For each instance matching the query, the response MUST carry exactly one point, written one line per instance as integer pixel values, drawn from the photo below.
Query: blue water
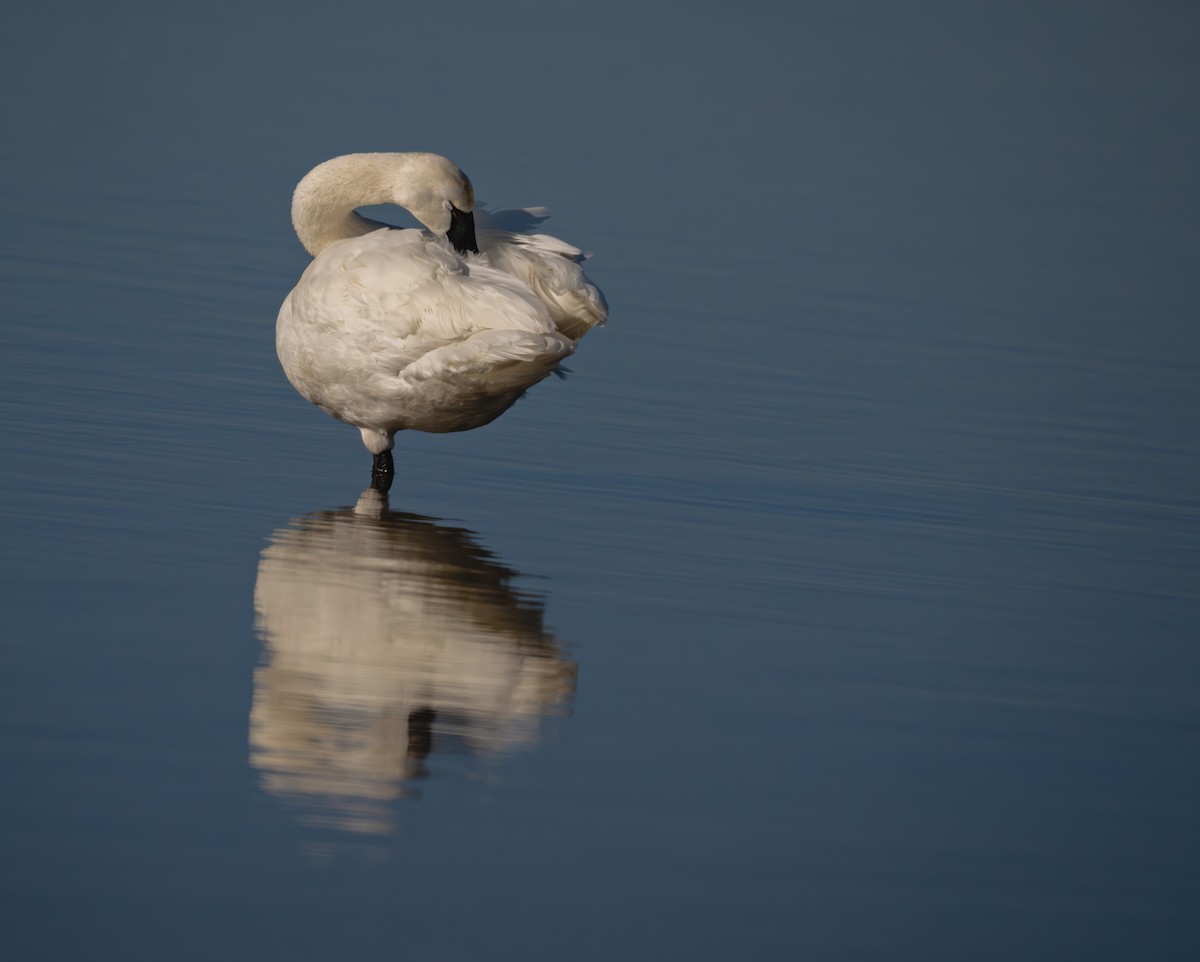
(842, 603)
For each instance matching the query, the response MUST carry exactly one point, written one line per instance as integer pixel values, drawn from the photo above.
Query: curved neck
(323, 206)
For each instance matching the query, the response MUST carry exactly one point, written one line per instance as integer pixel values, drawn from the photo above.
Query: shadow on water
(391, 643)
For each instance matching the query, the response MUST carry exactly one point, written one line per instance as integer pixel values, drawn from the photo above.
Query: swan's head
(439, 195)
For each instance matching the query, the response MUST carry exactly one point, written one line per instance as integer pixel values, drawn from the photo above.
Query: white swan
(427, 330)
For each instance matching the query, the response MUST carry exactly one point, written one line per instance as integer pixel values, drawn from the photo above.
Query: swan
(438, 330)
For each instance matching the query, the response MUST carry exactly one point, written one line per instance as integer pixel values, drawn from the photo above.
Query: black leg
(382, 472)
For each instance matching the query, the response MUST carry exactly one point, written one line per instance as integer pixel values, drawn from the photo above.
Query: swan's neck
(324, 202)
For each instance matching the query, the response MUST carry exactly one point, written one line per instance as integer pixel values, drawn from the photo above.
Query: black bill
(462, 231)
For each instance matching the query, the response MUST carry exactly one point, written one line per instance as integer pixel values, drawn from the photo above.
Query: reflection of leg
(382, 471)
(420, 733)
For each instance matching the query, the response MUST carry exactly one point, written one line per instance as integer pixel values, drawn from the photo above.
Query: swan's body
(429, 330)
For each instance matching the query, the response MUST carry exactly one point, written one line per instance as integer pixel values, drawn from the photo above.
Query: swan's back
(546, 265)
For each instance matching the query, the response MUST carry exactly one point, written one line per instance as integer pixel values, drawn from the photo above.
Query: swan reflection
(388, 637)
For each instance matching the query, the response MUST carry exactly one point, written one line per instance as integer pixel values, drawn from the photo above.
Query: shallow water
(841, 604)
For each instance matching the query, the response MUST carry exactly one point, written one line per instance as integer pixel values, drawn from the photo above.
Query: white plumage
(425, 330)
